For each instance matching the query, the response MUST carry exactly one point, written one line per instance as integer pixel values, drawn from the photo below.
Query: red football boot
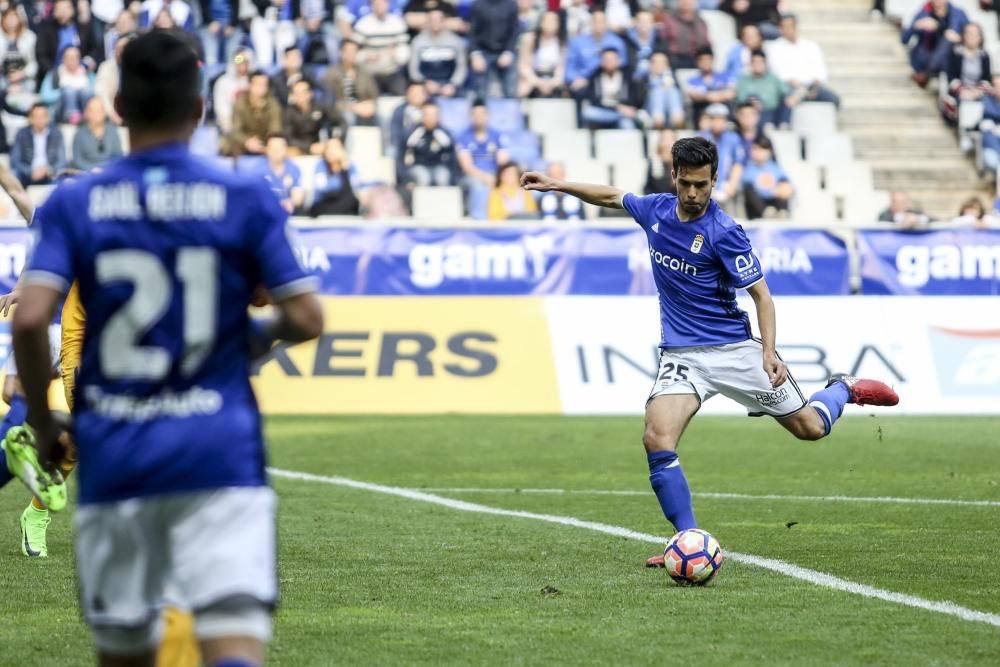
(656, 561)
(866, 392)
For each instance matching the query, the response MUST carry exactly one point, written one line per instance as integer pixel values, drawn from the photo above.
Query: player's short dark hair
(745, 104)
(289, 49)
(606, 49)
(159, 81)
(763, 142)
(479, 102)
(277, 135)
(704, 51)
(758, 53)
(256, 73)
(695, 152)
(38, 105)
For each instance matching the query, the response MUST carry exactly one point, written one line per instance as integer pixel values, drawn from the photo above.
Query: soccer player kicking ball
(167, 251)
(700, 258)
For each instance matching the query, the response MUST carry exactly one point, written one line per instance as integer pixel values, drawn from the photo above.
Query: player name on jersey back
(165, 202)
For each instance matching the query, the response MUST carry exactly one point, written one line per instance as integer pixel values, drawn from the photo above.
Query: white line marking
(726, 496)
(781, 567)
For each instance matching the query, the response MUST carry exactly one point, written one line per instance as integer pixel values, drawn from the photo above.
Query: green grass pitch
(369, 578)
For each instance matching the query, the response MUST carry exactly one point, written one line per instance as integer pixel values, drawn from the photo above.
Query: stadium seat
(548, 115)
(787, 146)
(828, 149)
(251, 164)
(865, 208)
(14, 123)
(587, 171)
(454, 114)
(812, 118)
(721, 31)
(802, 174)
(629, 175)
(364, 142)
(505, 114)
(524, 148)
(438, 204)
(69, 133)
(849, 180)
(205, 141)
(819, 206)
(566, 145)
(970, 113)
(386, 171)
(612, 145)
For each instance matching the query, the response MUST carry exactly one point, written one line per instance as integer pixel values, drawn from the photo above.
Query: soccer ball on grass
(693, 557)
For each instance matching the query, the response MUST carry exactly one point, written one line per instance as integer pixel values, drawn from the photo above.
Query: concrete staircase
(895, 125)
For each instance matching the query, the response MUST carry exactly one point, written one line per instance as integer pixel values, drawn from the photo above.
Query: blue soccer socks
(830, 402)
(671, 489)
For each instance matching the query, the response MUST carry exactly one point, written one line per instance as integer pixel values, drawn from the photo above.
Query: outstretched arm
(766, 320)
(598, 195)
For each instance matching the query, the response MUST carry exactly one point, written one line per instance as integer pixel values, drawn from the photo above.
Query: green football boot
(34, 523)
(23, 463)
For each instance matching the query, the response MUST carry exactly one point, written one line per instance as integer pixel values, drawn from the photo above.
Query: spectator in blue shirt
(283, 175)
(664, 102)
(738, 59)
(584, 56)
(731, 154)
(220, 32)
(642, 43)
(38, 154)
(480, 151)
(766, 187)
(935, 30)
(707, 86)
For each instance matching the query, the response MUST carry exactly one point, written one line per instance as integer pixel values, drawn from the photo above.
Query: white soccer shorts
(208, 547)
(55, 345)
(735, 370)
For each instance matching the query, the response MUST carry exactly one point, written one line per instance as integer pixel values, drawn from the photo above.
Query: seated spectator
(220, 31)
(125, 23)
(180, 14)
(493, 31)
(17, 53)
(480, 151)
(730, 148)
(229, 87)
(108, 75)
(429, 152)
(903, 213)
(685, 34)
(407, 117)
(935, 30)
(708, 86)
(800, 64)
(318, 42)
(437, 57)
(555, 205)
(508, 201)
(62, 29)
(542, 60)
(353, 86)
(334, 183)
(283, 174)
(753, 12)
(38, 154)
(585, 50)
(309, 123)
(738, 60)
(770, 95)
(969, 75)
(385, 47)
(97, 140)
(748, 126)
(660, 177)
(642, 42)
(275, 26)
(613, 100)
(664, 102)
(973, 214)
(416, 13)
(67, 88)
(619, 13)
(766, 188)
(291, 71)
(256, 116)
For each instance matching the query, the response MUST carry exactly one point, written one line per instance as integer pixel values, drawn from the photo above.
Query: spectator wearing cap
(481, 150)
(935, 30)
(613, 100)
(220, 31)
(179, 12)
(437, 57)
(283, 175)
(903, 213)
(38, 154)
(493, 32)
(730, 148)
(772, 96)
(800, 64)
(542, 59)
(642, 42)
(385, 47)
(508, 200)
(308, 123)
(685, 34)
(738, 59)
(556, 205)
(970, 76)
(660, 177)
(429, 151)
(61, 30)
(584, 58)
(766, 187)
(708, 86)
(97, 140)
(664, 102)
(291, 71)
(230, 86)
(256, 116)
(353, 87)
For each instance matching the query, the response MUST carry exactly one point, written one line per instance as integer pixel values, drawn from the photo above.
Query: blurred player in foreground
(167, 251)
(700, 258)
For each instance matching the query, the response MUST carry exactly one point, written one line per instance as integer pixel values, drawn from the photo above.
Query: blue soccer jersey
(167, 250)
(697, 267)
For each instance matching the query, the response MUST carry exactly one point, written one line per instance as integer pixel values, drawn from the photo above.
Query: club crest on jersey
(699, 241)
